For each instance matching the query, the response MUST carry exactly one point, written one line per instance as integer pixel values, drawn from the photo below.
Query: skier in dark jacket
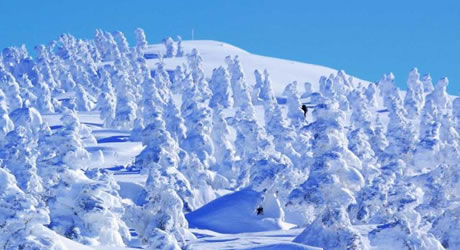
(260, 210)
(305, 110)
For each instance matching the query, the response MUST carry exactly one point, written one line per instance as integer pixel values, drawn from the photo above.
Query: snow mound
(234, 213)
(284, 246)
(70, 244)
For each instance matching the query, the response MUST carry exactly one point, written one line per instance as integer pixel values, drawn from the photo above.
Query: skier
(260, 210)
(305, 110)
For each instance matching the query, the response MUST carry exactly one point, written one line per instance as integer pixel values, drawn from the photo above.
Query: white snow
(281, 71)
(142, 154)
(235, 213)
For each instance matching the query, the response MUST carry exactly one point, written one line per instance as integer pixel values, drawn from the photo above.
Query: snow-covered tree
(22, 222)
(29, 118)
(70, 138)
(356, 163)
(195, 61)
(83, 101)
(370, 93)
(331, 230)
(6, 125)
(307, 90)
(10, 88)
(221, 89)
(427, 149)
(171, 49)
(266, 92)
(240, 90)
(415, 98)
(257, 87)
(196, 70)
(284, 136)
(295, 114)
(21, 161)
(174, 121)
(141, 41)
(68, 84)
(83, 205)
(201, 180)
(161, 217)
(44, 102)
(107, 46)
(358, 143)
(427, 83)
(401, 235)
(333, 180)
(400, 134)
(198, 120)
(161, 150)
(26, 89)
(336, 87)
(440, 97)
(180, 48)
(162, 81)
(268, 174)
(122, 43)
(251, 141)
(151, 98)
(447, 227)
(451, 139)
(94, 208)
(378, 139)
(388, 90)
(326, 86)
(456, 112)
(160, 222)
(402, 222)
(177, 81)
(343, 83)
(125, 112)
(43, 67)
(224, 153)
(360, 114)
(106, 106)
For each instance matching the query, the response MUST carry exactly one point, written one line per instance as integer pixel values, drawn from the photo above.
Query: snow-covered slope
(281, 71)
(211, 147)
(235, 213)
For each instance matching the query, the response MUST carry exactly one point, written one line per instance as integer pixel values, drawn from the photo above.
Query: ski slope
(119, 152)
(281, 71)
(140, 151)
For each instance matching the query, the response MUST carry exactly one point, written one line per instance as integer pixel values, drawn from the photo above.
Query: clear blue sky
(365, 38)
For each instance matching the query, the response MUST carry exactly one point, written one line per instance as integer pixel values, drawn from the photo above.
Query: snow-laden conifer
(141, 41)
(180, 49)
(415, 98)
(221, 89)
(171, 48)
(22, 222)
(240, 90)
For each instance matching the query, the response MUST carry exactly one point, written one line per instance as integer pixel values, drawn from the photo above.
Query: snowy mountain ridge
(281, 71)
(202, 145)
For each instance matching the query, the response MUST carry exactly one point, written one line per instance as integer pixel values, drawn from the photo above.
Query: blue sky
(365, 38)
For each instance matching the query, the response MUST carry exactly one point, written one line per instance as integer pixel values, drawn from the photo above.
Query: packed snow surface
(234, 213)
